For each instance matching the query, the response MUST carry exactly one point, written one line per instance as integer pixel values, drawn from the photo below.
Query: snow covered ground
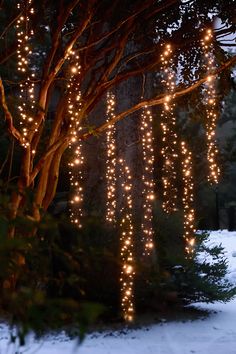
(215, 334)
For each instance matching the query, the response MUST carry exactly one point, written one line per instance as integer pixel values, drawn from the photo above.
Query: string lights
(148, 183)
(126, 244)
(75, 171)
(27, 86)
(210, 101)
(189, 219)
(168, 124)
(111, 161)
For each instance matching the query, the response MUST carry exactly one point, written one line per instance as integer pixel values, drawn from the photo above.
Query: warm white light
(188, 198)
(169, 136)
(26, 96)
(146, 133)
(75, 166)
(111, 161)
(211, 113)
(126, 244)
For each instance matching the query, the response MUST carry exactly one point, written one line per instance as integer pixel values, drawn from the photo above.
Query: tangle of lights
(26, 95)
(111, 161)
(126, 244)
(189, 219)
(148, 183)
(75, 172)
(169, 139)
(211, 114)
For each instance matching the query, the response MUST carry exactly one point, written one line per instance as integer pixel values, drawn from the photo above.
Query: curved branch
(61, 141)
(156, 100)
(151, 102)
(9, 119)
(144, 7)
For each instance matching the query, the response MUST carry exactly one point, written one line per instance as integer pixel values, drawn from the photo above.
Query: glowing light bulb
(146, 134)
(27, 89)
(169, 136)
(126, 244)
(188, 199)
(210, 104)
(75, 165)
(111, 161)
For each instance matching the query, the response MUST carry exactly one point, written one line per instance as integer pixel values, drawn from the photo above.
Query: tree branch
(8, 117)
(156, 100)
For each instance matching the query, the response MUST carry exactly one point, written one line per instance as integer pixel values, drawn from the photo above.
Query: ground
(211, 334)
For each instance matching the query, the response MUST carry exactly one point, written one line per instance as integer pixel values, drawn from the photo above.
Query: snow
(214, 334)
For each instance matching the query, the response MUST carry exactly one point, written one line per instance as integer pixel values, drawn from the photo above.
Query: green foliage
(198, 279)
(41, 277)
(63, 278)
(176, 280)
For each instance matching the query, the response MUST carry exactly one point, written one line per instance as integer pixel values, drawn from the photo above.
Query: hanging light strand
(111, 161)
(75, 166)
(169, 140)
(27, 87)
(147, 178)
(188, 199)
(210, 102)
(126, 244)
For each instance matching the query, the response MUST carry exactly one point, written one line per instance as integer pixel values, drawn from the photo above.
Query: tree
(113, 42)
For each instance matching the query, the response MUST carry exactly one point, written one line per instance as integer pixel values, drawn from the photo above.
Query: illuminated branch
(189, 214)
(169, 136)
(148, 180)
(9, 119)
(157, 100)
(63, 17)
(111, 162)
(151, 102)
(210, 103)
(75, 166)
(126, 244)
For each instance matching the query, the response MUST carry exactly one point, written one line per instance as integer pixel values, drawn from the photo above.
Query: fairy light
(126, 244)
(27, 86)
(211, 114)
(189, 217)
(169, 140)
(147, 178)
(75, 166)
(111, 161)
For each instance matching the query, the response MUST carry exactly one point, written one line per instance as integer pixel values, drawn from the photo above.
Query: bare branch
(55, 38)
(10, 24)
(61, 141)
(156, 100)
(9, 119)
(134, 15)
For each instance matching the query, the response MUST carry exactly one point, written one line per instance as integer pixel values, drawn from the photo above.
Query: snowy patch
(214, 334)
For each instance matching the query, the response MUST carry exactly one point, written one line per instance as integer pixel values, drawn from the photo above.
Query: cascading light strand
(75, 166)
(210, 102)
(126, 244)
(111, 161)
(169, 140)
(27, 87)
(188, 199)
(147, 178)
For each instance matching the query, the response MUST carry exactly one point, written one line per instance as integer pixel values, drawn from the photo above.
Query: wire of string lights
(110, 161)
(169, 140)
(188, 199)
(147, 178)
(27, 86)
(75, 166)
(126, 243)
(210, 102)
